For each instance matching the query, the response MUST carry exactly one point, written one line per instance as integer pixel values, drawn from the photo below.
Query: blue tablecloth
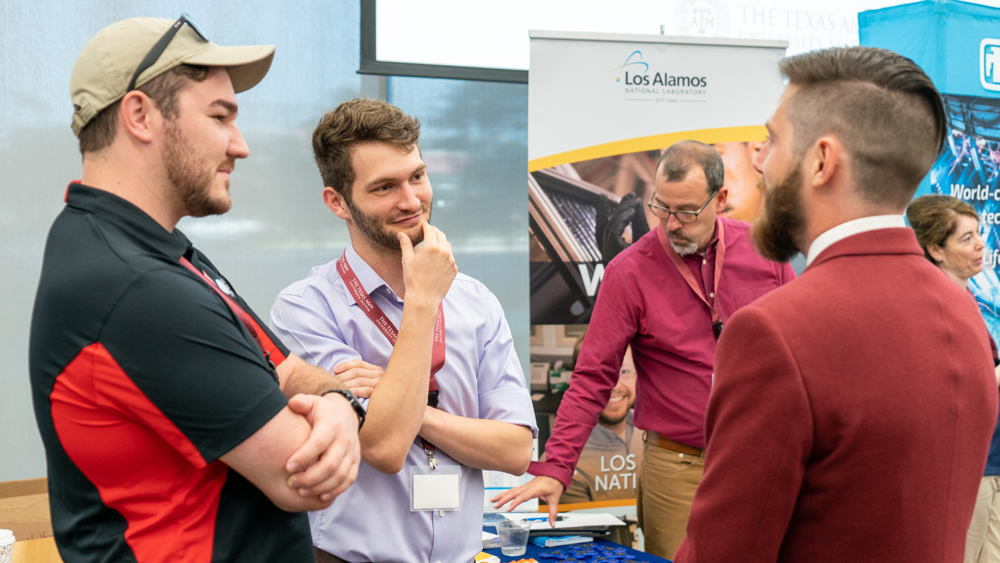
(533, 551)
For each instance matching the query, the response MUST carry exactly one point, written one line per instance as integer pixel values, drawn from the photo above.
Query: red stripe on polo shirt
(277, 356)
(141, 464)
(260, 336)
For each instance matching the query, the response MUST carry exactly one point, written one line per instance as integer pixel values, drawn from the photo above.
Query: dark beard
(184, 172)
(773, 234)
(375, 231)
(608, 421)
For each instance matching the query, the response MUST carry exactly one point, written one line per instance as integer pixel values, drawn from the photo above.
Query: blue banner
(958, 46)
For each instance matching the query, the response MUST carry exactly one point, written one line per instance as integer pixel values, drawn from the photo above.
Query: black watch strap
(358, 409)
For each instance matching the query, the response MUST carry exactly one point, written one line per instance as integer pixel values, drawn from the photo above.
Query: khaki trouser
(982, 544)
(663, 502)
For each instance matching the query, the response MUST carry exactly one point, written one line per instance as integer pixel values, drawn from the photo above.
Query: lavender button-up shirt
(318, 320)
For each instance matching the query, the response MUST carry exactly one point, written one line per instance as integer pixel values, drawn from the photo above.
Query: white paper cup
(6, 545)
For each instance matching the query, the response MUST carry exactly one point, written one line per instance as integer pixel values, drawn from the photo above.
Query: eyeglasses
(161, 45)
(682, 216)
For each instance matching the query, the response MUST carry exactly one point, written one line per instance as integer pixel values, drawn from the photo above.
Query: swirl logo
(629, 63)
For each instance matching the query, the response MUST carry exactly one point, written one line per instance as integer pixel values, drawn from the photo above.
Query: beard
(189, 175)
(377, 232)
(682, 249)
(783, 219)
(609, 418)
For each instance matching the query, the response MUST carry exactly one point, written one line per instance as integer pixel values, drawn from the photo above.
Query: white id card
(435, 489)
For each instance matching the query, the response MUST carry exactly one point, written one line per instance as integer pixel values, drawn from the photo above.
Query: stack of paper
(490, 541)
(550, 541)
(574, 524)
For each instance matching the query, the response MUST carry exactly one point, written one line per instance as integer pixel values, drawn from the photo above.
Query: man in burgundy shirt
(668, 296)
(852, 410)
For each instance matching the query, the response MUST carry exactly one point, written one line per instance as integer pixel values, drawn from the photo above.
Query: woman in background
(948, 230)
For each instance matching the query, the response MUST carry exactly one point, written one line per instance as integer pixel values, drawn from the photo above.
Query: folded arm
(326, 462)
(482, 444)
(261, 459)
(396, 404)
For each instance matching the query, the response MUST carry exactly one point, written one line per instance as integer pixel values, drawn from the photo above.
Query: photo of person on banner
(609, 463)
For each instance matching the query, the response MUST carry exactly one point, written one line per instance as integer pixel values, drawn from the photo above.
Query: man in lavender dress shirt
(646, 301)
(376, 182)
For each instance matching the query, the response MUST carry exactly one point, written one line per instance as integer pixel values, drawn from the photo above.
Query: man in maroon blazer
(852, 409)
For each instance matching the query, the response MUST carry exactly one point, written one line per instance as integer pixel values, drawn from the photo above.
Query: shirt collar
(851, 228)
(710, 249)
(370, 280)
(141, 227)
(715, 236)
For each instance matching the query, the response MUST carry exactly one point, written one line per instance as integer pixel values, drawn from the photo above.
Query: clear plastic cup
(6, 545)
(513, 536)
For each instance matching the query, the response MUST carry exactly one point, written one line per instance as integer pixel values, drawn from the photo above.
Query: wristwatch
(358, 409)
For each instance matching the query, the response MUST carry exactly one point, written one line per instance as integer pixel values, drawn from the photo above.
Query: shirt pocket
(744, 298)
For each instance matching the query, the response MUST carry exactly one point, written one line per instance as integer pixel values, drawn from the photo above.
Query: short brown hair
(934, 218)
(163, 90)
(681, 156)
(358, 121)
(882, 107)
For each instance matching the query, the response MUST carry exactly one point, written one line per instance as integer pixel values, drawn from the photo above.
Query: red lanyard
(685, 271)
(374, 312)
(235, 308)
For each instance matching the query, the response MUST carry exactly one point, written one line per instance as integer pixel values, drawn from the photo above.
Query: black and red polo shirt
(142, 378)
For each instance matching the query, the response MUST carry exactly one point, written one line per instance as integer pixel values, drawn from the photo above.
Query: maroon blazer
(850, 417)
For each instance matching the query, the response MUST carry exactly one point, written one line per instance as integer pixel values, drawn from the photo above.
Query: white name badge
(435, 489)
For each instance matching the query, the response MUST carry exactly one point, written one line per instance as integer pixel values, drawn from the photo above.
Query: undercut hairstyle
(678, 160)
(163, 90)
(880, 105)
(358, 121)
(934, 218)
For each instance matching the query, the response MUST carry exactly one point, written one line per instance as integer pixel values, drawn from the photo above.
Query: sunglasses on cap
(161, 45)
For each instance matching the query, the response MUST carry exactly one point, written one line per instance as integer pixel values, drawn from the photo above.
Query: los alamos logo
(638, 80)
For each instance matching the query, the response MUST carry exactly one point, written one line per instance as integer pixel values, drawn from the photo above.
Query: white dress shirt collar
(850, 228)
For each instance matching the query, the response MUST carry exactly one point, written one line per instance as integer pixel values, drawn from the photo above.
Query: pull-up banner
(958, 46)
(601, 109)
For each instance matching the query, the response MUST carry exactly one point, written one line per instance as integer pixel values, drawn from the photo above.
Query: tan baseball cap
(105, 66)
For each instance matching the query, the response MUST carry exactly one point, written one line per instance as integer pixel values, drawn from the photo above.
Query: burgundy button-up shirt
(645, 302)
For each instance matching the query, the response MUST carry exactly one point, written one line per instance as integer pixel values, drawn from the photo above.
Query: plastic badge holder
(435, 489)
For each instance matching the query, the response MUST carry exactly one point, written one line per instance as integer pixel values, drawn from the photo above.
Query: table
(37, 551)
(533, 551)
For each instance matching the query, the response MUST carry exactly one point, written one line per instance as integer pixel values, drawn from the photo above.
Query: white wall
(278, 228)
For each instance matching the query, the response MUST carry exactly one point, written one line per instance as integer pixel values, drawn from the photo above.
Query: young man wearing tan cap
(161, 398)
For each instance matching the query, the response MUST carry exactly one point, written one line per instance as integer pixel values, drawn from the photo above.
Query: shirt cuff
(543, 468)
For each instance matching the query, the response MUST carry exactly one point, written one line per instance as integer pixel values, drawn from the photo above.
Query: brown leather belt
(655, 438)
